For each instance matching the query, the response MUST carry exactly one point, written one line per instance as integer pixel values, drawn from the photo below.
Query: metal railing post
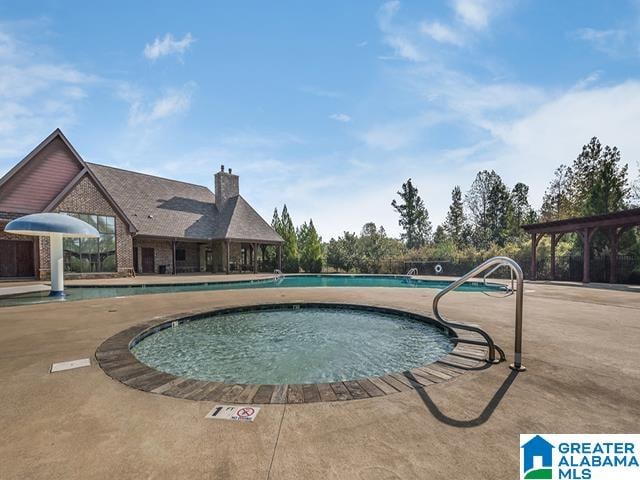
(495, 262)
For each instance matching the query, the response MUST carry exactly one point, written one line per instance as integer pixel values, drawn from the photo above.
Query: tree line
(486, 219)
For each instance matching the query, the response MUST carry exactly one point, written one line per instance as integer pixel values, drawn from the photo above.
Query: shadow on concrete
(480, 419)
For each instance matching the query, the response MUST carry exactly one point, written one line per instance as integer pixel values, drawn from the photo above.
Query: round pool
(293, 344)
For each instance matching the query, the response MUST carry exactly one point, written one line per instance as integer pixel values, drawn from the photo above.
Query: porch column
(228, 267)
(534, 246)
(263, 250)
(254, 250)
(586, 255)
(173, 254)
(280, 256)
(613, 252)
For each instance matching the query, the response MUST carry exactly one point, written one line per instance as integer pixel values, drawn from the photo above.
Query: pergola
(613, 224)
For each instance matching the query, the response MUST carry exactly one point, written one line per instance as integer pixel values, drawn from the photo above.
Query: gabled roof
(58, 135)
(161, 207)
(239, 221)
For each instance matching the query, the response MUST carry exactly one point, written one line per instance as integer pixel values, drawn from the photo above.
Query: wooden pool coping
(116, 359)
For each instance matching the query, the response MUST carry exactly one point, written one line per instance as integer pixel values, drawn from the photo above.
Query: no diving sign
(233, 412)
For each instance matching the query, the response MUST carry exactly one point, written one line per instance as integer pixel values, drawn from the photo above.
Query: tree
(371, 247)
(490, 206)
(342, 253)
(276, 223)
(559, 201)
(499, 211)
(414, 217)
(441, 235)
(310, 245)
(285, 228)
(600, 182)
(521, 213)
(455, 225)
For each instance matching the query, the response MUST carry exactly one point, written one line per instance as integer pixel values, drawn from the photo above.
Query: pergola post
(586, 255)
(280, 256)
(553, 256)
(534, 246)
(227, 248)
(613, 254)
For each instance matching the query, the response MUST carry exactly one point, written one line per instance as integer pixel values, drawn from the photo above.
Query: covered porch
(188, 256)
(613, 224)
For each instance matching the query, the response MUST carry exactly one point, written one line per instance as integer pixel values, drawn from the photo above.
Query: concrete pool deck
(580, 348)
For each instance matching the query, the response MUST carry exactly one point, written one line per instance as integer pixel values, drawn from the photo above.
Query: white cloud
(611, 42)
(340, 117)
(173, 102)
(396, 37)
(28, 110)
(473, 13)
(441, 33)
(167, 46)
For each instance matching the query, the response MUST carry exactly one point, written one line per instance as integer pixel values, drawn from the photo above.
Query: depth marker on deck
(233, 412)
(62, 366)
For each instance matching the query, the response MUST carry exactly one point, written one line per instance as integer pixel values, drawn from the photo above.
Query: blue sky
(326, 106)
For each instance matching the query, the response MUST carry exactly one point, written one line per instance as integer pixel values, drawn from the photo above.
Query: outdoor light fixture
(56, 226)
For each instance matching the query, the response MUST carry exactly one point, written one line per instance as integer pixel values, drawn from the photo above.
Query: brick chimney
(227, 186)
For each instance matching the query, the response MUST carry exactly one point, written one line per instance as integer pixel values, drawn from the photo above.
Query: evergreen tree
(604, 187)
(310, 245)
(441, 235)
(559, 201)
(414, 217)
(499, 211)
(290, 256)
(522, 213)
(276, 223)
(455, 224)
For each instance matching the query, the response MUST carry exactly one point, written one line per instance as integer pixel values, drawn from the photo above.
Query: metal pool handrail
(515, 268)
(497, 267)
(412, 271)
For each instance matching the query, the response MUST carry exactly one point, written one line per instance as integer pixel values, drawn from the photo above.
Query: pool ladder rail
(278, 276)
(495, 262)
(412, 271)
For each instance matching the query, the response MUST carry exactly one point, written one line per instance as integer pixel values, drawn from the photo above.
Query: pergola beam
(613, 223)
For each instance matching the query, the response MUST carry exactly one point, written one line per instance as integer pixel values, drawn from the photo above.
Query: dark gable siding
(36, 184)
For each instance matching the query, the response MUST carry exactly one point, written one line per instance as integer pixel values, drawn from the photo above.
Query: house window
(87, 255)
(181, 254)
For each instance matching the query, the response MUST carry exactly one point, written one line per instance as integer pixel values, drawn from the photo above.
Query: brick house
(147, 224)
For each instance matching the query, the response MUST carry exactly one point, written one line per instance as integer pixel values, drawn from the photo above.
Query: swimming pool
(300, 345)
(285, 281)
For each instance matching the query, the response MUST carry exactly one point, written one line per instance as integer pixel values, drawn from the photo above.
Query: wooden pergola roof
(609, 220)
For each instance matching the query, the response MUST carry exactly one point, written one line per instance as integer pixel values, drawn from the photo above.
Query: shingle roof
(161, 207)
(239, 221)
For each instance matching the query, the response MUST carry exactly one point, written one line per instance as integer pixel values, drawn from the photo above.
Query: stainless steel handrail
(515, 268)
(412, 271)
(497, 267)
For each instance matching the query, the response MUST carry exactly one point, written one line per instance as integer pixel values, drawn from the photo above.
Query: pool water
(287, 346)
(287, 281)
